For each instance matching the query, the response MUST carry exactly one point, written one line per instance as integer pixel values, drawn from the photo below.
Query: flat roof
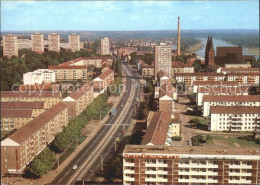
(203, 150)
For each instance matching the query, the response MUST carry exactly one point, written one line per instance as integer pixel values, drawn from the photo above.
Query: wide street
(88, 159)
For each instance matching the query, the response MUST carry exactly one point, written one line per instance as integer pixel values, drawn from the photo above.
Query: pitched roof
(166, 89)
(179, 64)
(232, 110)
(224, 51)
(239, 70)
(223, 89)
(81, 91)
(67, 67)
(22, 105)
(105, 74)
(50, 94)
(157, 129)
(161, 74)
(16, 113)
(38, 87)
(31, 127)
(233, 98)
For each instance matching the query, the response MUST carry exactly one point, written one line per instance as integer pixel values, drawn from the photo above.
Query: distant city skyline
(128, 15)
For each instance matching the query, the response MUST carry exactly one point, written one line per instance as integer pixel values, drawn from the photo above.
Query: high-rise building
(163, 59)
(10, 46)
(74, 42)
(37, 42)
(209, 52)
(105, 46)
(178, 38)
(54, 42)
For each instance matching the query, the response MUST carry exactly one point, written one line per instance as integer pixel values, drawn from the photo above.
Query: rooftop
(203, 150)
(161, 74)
(237, 110)
(105, 74)
(156, 132)
(166, 89)
(231, 98)
(81, 91)
(22, 105)
(16, 113)
(49, 94)
(31, 127)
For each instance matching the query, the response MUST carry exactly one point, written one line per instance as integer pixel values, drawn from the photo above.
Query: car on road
(74, 167)
(122, 105)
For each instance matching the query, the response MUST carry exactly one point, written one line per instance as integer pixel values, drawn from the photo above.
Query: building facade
(163, 59)
(244, 78)
(178, 67)
(105, 49)
(10, 45)
(37, 42)
(74, 42)
(21, 147)
(54, 42)
(39, 76)
(241, 118)
(103, 81)
(235, 100)
(185, 165)
(69, 72)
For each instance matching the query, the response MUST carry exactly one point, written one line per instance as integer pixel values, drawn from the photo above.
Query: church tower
(209, 52)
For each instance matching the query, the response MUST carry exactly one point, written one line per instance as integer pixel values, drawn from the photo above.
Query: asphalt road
(89, 157)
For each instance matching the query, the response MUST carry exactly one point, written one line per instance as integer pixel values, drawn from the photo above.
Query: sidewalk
(93, 126)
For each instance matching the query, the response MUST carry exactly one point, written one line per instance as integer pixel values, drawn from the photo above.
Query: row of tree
(46, 159)
(148, 58)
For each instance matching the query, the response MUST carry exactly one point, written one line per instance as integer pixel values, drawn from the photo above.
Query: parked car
(74, 167)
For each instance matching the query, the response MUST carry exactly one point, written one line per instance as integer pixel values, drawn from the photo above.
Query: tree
(38, 168)
(197, 66)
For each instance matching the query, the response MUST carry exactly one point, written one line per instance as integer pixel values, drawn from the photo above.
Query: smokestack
(178, 38)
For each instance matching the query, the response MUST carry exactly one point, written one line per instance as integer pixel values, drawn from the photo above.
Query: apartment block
(247, 65)
(157, 128)
(235, 100)
(50, 98)
(221, 90)
(228, 118)
(79, 100)
(162, 77)
(39, 76)
(69, 72)
(37, 40)
(21, 147)
(74, 42)
(198, 84)
(185, 165)
(163, 59)
(104, 43)
(89, 61)
(240, 70)
(10, 45)
(166, 102)
(14, 115)
(189, 78)
(24, 43)
(103, 81)
(146, 70)
(244, 78)
(54, 42)
(179, 67)
(39, 87)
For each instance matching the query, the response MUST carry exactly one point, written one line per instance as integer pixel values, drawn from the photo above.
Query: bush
(176, 138)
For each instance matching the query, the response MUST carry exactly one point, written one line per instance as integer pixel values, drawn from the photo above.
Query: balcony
(126, 178)
(198, 180)
(240, 166)
(129, 164)
(160, 172)
(241, 181)
(240, 174)
(156, 165)
(198, 173)
(129, 171)
(156, 180)
(195, 165)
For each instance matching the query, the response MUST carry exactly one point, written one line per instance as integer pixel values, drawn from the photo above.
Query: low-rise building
(244, 78)
(222, 100)
(247, 65)
(39, 76)
(166, 102)
(63, 73)
(14, 115)
(103, 81)
(179, 67)
(220, 90)
(79, 100)
(240, 70)
(21, 147)
(157, 128)
(228, 118)
(185, 165)
(50, 98)
(213, 69)
(198, 84)
(146, 70)
(189, 78)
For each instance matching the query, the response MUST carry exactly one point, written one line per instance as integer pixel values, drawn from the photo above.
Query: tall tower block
(178, 38)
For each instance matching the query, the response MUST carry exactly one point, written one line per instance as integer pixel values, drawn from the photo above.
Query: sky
(128, 15)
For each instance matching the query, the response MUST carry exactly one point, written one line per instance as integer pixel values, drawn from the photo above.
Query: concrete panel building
(103, 81)
(37, 40)
(10, 45)
(104, 46)
(163, 59)
(74, 42)
(54, 42)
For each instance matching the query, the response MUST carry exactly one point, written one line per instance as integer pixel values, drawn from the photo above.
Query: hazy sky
(128, 15)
